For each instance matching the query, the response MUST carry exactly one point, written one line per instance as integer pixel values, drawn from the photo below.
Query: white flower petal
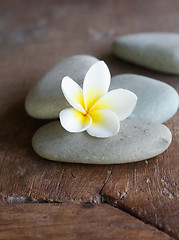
(96, 83)
(74, 121)
(73, 93)
(105, 123)
(120, 101)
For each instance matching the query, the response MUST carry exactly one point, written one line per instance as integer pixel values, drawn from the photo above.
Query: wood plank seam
(106, 199)
(62, 221)
(106, 181)
(91, 205)
(103, 200)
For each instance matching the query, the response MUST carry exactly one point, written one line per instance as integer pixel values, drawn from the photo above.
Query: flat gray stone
(45, 100)
(157, 101)
(158, 51)
(137, 140)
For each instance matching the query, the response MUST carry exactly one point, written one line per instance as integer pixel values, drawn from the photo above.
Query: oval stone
(158, 51)
(45, 100)
(157, 101)
(137, 140)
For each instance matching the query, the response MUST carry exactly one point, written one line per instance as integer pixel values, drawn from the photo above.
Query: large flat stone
(137, 140)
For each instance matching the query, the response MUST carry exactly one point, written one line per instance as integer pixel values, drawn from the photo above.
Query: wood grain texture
(149, 189)
(72, 222)
(30, 42)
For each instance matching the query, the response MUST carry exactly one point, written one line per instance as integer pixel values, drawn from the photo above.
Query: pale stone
(45, 100)
(157, 101)
(158, 51)
(137, 140)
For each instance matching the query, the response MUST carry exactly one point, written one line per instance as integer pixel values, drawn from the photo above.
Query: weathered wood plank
(149, 189)
(31, 41)
(72, 222)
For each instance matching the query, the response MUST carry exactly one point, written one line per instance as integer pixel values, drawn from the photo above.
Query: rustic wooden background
(41, 199)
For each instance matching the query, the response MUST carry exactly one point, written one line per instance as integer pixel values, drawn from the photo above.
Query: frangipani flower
(94, 109)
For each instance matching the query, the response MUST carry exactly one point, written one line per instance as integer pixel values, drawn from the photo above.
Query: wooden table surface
(42, 199)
